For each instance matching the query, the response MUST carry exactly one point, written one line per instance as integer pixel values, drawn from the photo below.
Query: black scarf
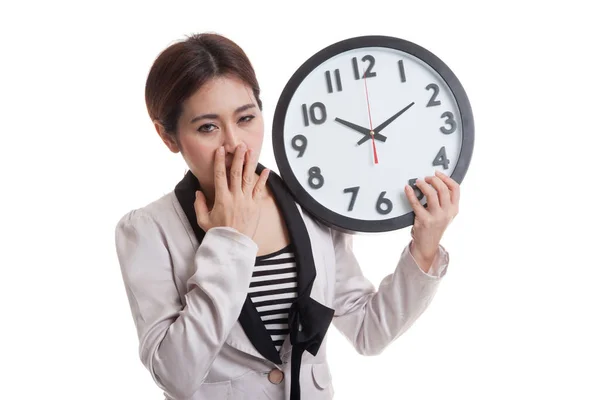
(308, 319)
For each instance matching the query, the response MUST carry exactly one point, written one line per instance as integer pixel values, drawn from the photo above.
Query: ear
(168, 139)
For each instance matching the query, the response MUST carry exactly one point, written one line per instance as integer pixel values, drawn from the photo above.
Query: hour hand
(357, 128)
(360, 129)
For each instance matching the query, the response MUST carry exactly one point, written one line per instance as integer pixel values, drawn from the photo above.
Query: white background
(515, 317)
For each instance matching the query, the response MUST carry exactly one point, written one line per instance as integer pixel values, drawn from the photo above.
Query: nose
(230, 140)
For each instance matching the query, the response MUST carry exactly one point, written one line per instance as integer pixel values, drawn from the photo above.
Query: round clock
(360, 119)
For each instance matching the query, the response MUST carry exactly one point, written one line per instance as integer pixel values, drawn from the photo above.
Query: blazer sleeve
(177, 343)
(372, 318)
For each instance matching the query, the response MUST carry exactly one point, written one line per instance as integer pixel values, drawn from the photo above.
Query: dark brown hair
(182, 68)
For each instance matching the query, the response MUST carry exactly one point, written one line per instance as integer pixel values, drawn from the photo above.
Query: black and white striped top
(273, 287)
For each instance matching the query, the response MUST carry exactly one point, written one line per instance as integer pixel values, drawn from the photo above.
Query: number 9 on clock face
(364, 117)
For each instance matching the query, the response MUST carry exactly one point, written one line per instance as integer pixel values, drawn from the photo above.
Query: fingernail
(221, 150)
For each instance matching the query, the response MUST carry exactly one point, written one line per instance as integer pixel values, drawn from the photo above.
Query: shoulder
(155, 214)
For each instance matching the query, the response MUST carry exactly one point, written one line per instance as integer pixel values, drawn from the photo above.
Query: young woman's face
(223, 112)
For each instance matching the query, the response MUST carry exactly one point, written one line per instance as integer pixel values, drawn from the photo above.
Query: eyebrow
(215, 116)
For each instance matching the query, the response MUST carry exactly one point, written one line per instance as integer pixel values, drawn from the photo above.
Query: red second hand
(374, 150)
(370, 120)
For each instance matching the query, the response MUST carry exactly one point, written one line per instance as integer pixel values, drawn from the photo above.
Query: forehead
(219, 95)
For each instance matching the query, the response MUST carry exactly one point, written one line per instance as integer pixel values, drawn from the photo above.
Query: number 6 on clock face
(364, 117)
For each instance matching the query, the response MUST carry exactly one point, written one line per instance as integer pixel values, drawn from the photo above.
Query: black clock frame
(317, 210)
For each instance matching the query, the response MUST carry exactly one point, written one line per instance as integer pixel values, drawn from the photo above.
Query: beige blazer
(185, 299)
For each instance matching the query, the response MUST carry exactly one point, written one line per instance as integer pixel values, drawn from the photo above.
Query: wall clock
(360, 119)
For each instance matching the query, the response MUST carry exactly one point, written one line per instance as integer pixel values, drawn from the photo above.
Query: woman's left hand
(431, 222)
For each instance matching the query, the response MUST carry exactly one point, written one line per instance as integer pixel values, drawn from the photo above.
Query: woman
(231, 284)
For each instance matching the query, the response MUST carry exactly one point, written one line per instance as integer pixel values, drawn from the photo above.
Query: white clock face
(353, 142)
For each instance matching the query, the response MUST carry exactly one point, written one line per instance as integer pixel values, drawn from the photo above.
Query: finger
(453, 186)
(418, 208)
(237, 167)
(249, 172)
(220, 173)
(430, 193)
(259, 188)
(201, 209)
(442, 191)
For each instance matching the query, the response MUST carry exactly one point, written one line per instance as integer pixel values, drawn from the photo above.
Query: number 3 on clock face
(361, 119)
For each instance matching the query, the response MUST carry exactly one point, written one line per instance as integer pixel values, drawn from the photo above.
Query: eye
(247, 118)
(207, 128)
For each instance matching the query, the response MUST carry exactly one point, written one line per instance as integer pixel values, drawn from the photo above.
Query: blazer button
(275, 376)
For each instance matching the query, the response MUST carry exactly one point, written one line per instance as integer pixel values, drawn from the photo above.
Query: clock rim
(320, 212)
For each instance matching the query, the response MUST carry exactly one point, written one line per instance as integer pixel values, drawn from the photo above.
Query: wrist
(426, 257)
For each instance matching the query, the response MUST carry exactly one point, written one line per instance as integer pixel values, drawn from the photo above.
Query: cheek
(255, 139)
(255, 143)
(198, 154)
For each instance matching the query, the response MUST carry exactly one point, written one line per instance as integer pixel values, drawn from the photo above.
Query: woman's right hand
(236, 205)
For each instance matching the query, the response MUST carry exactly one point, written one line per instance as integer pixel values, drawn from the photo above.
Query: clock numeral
(436, 90)
(368, 73)
(301, 148)
(384, 206)
(338, 81)
(313, 116)
(402, 72)
(315, 174)
(449, 121)
(354, 191)
(441, 159)
(413, 184)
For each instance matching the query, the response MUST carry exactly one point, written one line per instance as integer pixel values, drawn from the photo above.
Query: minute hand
(392, 118)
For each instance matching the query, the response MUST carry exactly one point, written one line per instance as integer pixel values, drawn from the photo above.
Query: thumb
(201, 209)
